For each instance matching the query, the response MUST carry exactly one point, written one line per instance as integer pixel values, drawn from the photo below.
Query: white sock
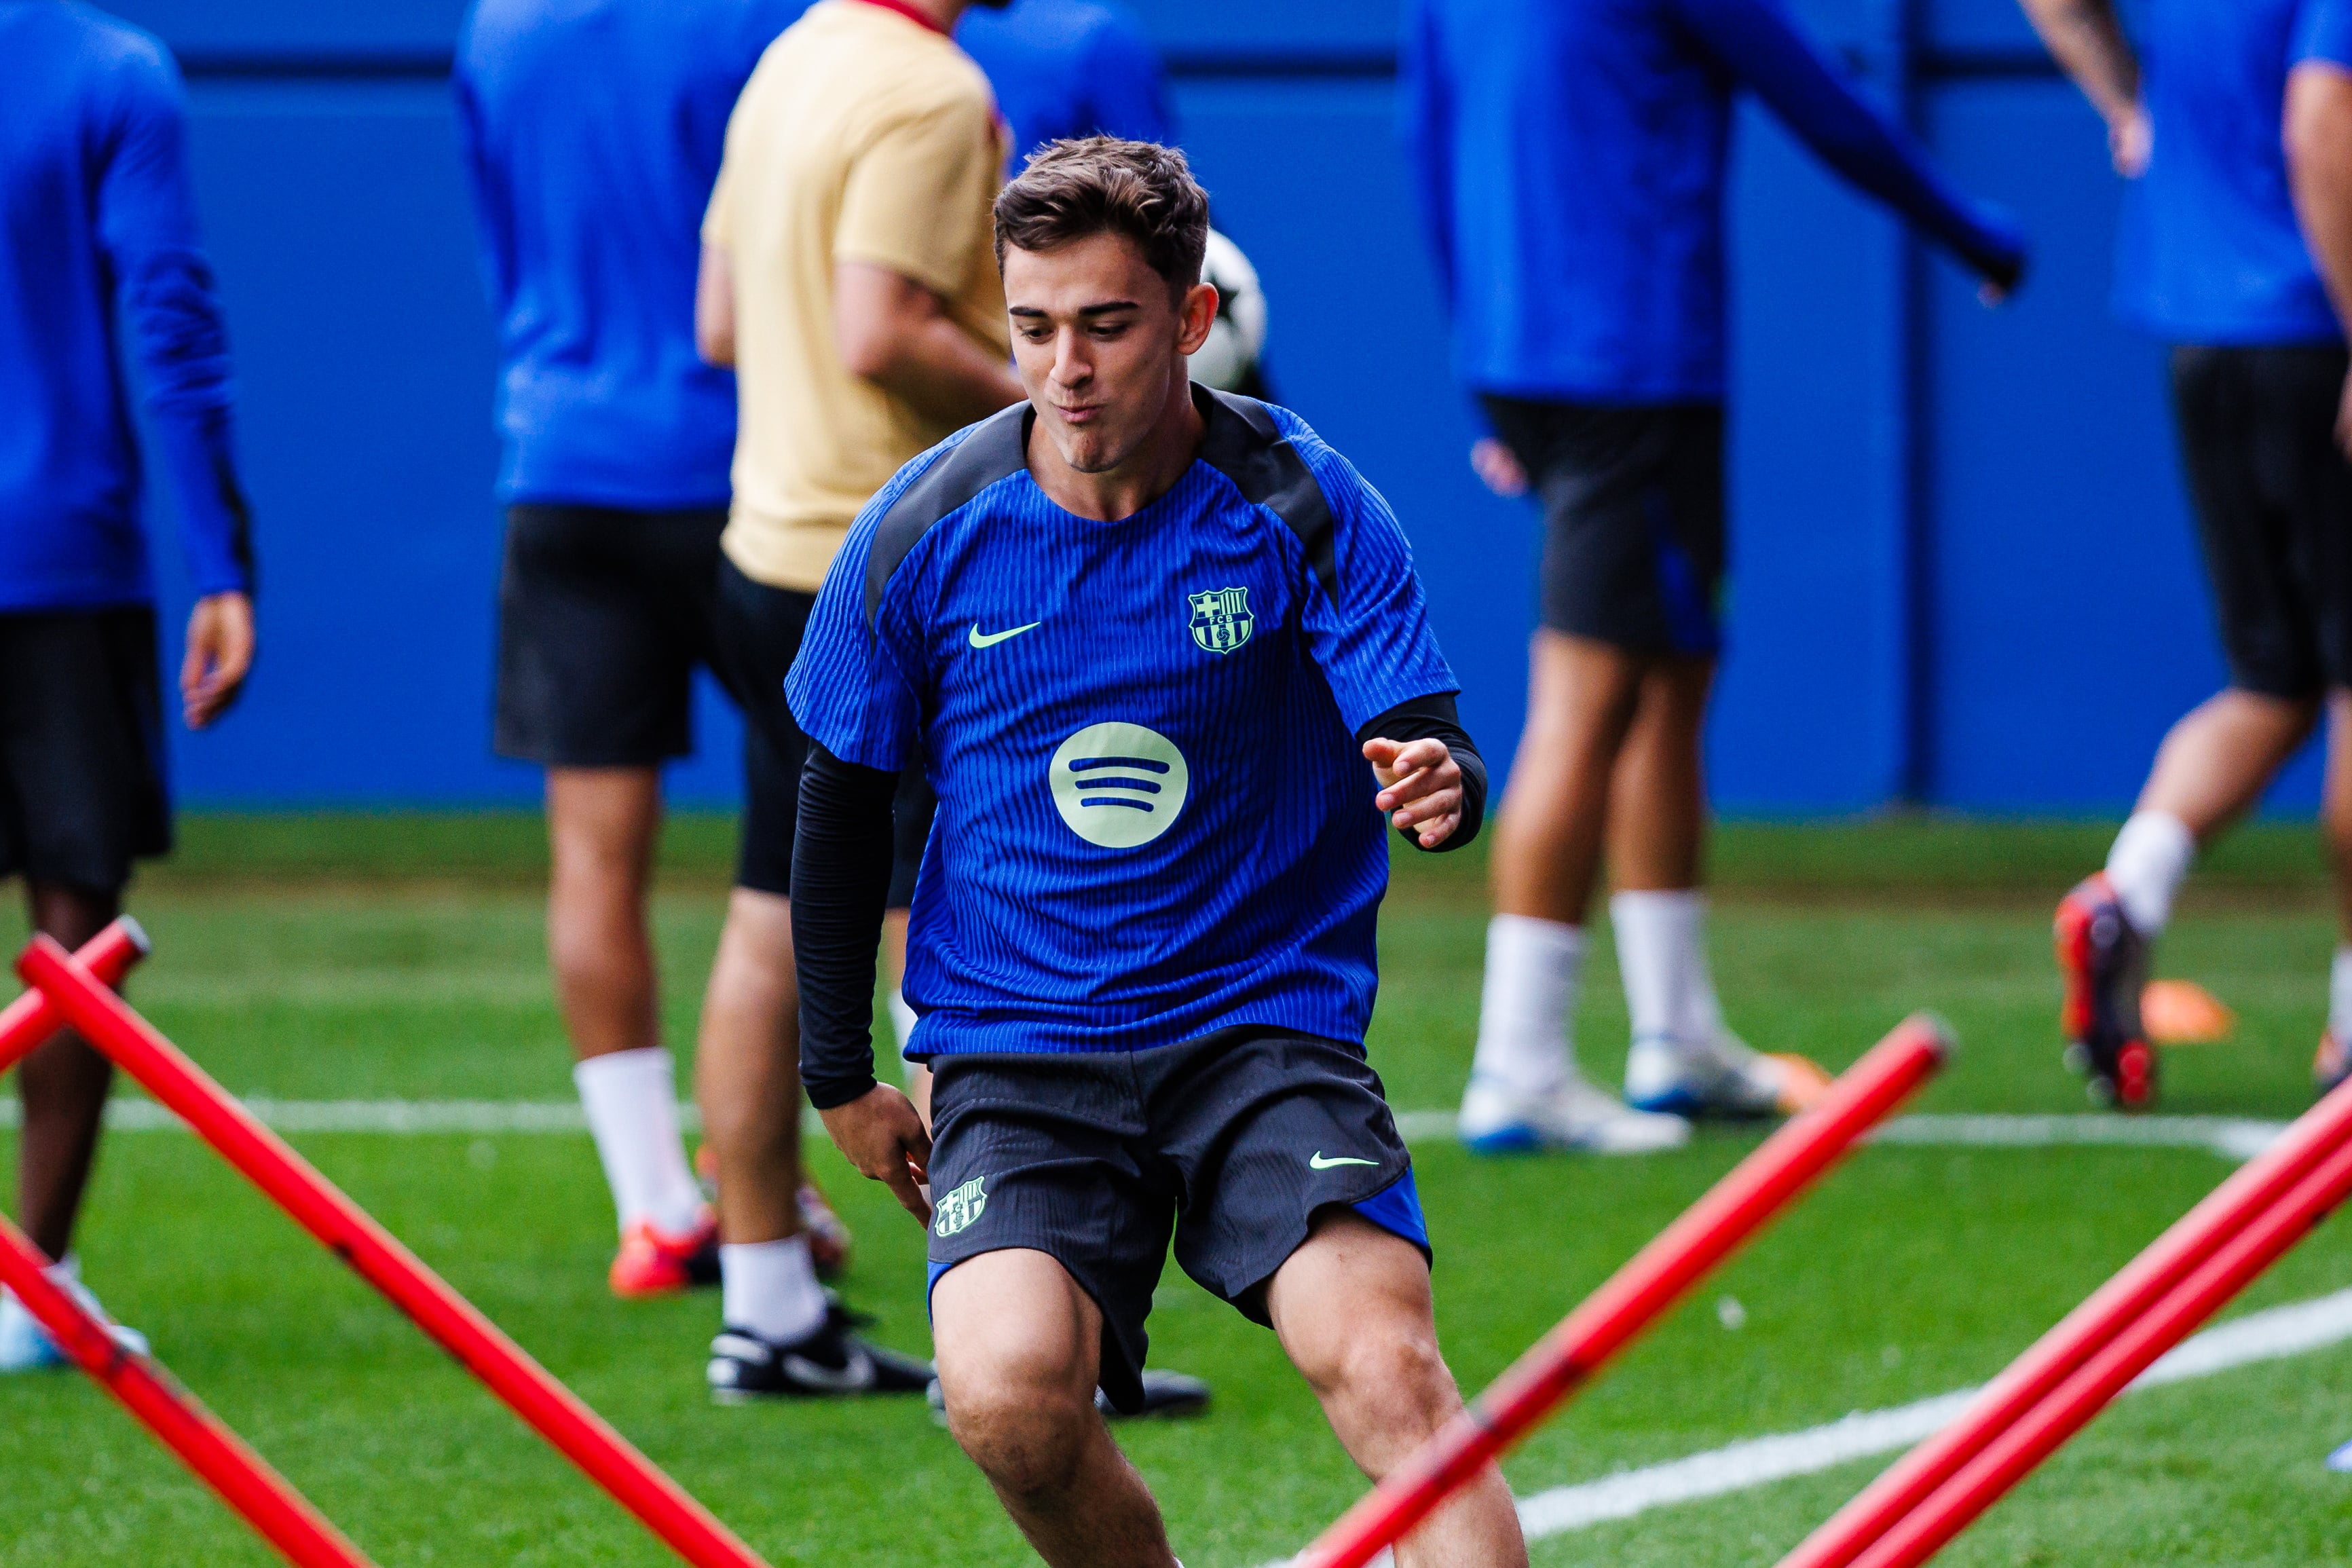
(2146, 868)
(2339, 997)
(902, 1021)
(1662, 953)
(1529, 1002)
(771, 1289)
(631, 1099)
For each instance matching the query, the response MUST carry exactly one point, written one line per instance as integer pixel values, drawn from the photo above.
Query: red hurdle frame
(241, 1478)
(78, 997)
(2071, 1374)
(1638, 1294)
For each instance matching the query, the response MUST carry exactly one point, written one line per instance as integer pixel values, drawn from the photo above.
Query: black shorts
(1231, 1142)
(2274, 497)
(1633, 501)
(759, 635)
(82, 792)
(602, 616)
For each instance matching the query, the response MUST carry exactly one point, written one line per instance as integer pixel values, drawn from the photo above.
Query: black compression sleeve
(1435, 717)
(840, 879)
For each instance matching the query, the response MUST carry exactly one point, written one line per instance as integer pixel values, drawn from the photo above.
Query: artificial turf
(396, 957)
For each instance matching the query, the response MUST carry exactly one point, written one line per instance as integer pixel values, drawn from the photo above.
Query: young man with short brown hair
(1169, 666)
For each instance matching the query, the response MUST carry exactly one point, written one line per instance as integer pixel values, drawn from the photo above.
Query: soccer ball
(1228, 361)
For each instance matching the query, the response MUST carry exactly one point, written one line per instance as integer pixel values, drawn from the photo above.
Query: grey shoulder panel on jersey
(996, 449)
(1245, 446)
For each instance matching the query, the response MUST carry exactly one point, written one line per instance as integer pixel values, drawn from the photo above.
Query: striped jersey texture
(1154, 819)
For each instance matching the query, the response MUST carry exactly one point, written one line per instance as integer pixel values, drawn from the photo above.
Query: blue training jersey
(1064, 69)
(1570, 155)
(2211, 252)
(1154, 818)
(592, 131)
(97, 228)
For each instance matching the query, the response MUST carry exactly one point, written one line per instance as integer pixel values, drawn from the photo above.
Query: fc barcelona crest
(1221, 619)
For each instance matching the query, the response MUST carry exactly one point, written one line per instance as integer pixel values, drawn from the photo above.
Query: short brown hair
(1101, 184)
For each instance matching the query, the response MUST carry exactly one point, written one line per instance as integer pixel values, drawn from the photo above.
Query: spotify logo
(1120, 785)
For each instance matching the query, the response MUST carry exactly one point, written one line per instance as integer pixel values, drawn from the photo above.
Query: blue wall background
(1964, 574)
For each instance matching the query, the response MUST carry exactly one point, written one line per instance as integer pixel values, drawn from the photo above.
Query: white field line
(2271, 1335)
(2235, 1138)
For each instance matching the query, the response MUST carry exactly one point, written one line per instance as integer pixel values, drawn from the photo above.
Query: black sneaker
(1165, 1395)
(2104, 963)
(828, 1363)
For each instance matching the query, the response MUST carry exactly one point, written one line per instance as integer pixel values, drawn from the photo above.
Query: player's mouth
(1078, 413)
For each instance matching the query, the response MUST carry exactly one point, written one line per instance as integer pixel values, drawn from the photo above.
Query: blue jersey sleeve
(493, 206)
(1367, 628)
(847, 687)
(1126, 82)
(1758, 42)
(147, 227)
(2323, 31)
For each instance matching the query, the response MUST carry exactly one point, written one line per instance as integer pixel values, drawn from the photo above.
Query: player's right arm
(859, 711)
(1758, 42)
(2086, 39)
(145, 210)
(2318, 137)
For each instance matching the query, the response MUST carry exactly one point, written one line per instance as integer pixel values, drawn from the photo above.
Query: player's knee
(1392, 1378)
(1028, 1437)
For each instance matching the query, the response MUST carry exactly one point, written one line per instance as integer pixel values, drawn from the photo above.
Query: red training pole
(1737, 1206)
(318, 1206)
(2249, 1192)
(2016, 1450)
(27, 1024)
(242, 1479)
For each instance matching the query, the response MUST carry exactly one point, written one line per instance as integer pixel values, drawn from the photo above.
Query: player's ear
(1198, 310)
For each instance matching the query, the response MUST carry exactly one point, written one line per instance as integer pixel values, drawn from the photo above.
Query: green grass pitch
(401, 958)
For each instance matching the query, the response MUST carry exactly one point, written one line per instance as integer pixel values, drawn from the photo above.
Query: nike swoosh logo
(989, 639)
(849, 1379)
(1319, 1163)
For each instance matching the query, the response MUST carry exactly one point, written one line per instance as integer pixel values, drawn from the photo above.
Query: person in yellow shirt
(849, 277)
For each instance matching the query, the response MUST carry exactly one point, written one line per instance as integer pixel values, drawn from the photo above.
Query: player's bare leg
(747, 1070)
(63, 1086)
(601, 827)
(2333, 1063)
(1382, 1384)
(1682, 1060)
(1020, 1348)
(1581, 699)
(1524, 1091)
(2210, 769)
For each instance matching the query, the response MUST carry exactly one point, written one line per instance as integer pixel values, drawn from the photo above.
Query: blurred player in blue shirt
(1169, 670)
(1066, 68)
(2232, 121)
(1571, 160)
(592, 131)
(97, 229)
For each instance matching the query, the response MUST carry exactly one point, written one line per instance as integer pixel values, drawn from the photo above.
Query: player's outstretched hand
(220, 655)
(1421, 787)
(882, 1136)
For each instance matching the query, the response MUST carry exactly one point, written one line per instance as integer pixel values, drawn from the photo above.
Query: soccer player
(1572, 157)
(1167, 665)
(591, 135)
(98, 245)
(2237, 138)
(1067, 68)
(847, 277)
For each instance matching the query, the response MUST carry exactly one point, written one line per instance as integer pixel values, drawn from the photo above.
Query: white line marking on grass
(2271, 1335)
(2231, 1137)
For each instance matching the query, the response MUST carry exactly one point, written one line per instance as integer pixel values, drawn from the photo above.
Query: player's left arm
(147, 227)
(2318, 136)
(1758, 42)
(1367, 625)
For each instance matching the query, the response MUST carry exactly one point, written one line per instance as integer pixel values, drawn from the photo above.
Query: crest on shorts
(1221, 618)
(958, 1209)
